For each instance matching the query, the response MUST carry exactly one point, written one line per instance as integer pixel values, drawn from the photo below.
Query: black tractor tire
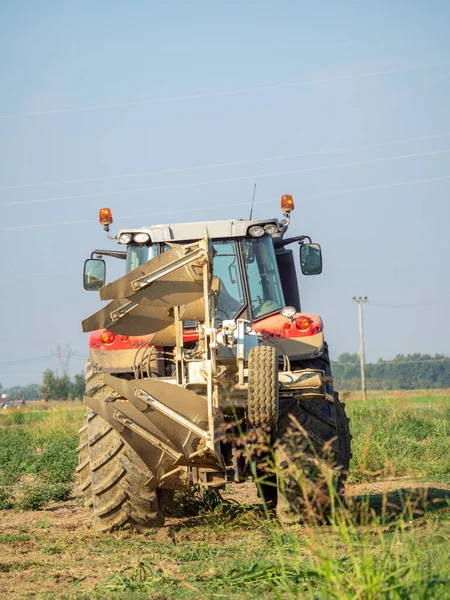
(262, 387)
(121, 496)
(83, 470)
(327, 436)
(344, 454)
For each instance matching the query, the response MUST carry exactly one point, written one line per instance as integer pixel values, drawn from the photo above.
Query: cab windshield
(266, 295)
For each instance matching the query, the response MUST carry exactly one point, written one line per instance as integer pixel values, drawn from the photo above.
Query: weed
(141, 577)
(43, 523)
(33, 496)
(15, 451)
(13, 538)
(55, 548)
(6, 500)
(58, 461)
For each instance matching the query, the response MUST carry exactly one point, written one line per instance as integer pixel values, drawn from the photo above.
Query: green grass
(394, 439)
(38, 459)
(392, 545)
(402, 560)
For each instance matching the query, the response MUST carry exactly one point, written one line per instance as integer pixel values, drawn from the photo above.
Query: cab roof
(183, 232)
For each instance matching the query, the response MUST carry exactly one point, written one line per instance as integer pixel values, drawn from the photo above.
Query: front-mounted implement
(196, 349)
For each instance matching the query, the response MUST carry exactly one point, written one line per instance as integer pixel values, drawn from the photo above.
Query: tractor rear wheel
(326, 425)
(262, 386)
(117, 483)
(297, 497)
(83, 471)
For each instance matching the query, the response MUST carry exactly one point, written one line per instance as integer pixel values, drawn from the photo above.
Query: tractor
(202, 347)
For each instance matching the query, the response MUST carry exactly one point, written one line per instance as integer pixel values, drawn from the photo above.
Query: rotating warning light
(287, 203)
(105, 216)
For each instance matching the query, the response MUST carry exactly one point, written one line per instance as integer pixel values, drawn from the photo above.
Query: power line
(229, 179)
(47, 274)
(227, 164)
(21, 374)
(223, 92)
(239, 204)
(23, 360)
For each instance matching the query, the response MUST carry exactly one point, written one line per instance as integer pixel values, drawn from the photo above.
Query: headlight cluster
(259, 230)
(138, 238)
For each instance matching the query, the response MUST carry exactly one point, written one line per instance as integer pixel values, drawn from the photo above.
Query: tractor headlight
(124, 238)
(271, 229)
(256, 231)
(141, 238)
(288, 312)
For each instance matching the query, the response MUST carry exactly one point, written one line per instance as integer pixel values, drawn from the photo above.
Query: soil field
(391, 540)
(55, 553)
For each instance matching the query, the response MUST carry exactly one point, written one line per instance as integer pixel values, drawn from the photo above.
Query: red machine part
(301, 325)
(102, 339)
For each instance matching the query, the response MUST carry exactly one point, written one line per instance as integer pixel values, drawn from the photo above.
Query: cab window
(138, 255)
(227, 280)
(266, 295)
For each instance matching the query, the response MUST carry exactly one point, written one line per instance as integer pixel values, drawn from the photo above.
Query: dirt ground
(56, 550)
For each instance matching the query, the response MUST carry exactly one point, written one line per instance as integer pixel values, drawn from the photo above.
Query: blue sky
(358, 76)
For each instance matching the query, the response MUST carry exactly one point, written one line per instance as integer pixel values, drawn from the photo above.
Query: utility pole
(359, 301)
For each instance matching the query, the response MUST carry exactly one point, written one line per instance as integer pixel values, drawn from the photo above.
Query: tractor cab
(253, 271)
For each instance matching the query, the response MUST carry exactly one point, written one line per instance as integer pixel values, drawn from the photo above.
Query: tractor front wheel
(262, 386)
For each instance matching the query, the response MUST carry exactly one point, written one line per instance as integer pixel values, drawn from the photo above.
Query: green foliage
(15, 451)
(33, 496)
(57, 463)
(45, 454)
(28, 392)
(47, 389)
(5, 499)
(62, 388)
(414, 371)
(141, 577)
(36, 495)
(78, 388)
(56, 548)
(13, 538)
(18, 416)
(399, 440)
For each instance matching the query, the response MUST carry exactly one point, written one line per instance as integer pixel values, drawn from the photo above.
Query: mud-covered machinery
(202, 342)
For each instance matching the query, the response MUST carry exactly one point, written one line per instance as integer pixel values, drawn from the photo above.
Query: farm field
(392, 540)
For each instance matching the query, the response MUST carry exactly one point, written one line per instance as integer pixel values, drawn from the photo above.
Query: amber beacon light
(105, 217)
(287, 203)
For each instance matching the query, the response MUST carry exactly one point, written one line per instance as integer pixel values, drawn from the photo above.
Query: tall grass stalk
(347, 552)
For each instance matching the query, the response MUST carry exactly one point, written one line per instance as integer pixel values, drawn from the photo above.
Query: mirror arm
(114, 253)
(279, 243)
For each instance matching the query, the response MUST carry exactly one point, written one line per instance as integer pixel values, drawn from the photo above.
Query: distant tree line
(412, 371)
(54, 387)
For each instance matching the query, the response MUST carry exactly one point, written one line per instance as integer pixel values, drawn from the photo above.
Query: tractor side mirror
(94, 274)
(311, 259)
